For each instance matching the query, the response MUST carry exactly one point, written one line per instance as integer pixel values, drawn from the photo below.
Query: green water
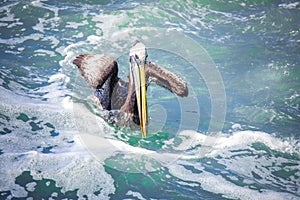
(236, 136)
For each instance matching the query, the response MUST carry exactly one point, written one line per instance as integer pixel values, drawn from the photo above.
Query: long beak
(139, 78)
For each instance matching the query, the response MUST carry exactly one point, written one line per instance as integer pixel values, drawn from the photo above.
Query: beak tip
(144, 133)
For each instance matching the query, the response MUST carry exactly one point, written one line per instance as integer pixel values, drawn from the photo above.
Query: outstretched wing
(166, 79)
(96, 69)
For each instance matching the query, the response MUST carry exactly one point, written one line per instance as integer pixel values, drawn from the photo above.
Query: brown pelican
(112, 93)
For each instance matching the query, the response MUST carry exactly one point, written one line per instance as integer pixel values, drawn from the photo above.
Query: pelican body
(112, 93)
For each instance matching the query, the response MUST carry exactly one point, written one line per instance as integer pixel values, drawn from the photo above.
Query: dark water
(236, 136)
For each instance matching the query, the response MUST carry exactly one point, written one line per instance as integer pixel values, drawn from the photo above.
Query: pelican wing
(96, 69)
(166, 79)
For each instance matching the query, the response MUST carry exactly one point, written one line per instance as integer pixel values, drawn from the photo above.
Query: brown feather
(166, 79)
(95, 69)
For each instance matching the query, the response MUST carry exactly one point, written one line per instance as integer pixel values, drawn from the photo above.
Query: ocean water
(236, 136)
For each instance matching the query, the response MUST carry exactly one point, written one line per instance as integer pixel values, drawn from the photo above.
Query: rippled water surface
(236, 136)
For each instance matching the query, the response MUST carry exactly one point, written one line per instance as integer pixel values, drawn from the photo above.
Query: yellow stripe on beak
(144, 109)
(139, 78)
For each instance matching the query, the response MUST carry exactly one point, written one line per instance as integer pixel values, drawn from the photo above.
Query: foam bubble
(75, 25)
(289, 5)
(43, 52)
(135, 194)
(67, 103)
(236, 127)
(57, 77)
(39, 26)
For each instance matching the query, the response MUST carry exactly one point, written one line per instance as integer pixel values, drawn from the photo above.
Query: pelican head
(138, 56)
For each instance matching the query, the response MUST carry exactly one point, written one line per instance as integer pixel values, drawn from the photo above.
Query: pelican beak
(139, 78)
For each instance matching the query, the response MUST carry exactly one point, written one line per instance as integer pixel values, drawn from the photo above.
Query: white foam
(122, 146)
(72, 170)
(10, 97)
(135, 194)
(60, 50)
(75, 25)
(67, 103)
(19, 40)
(235, 151)
(3, 24)
(39, 26)
(30, 186)
(54, 41)
(236, 127)
(9, 16)
(218, 143)
(218, 185)
(79, 35)
(57, 77)
(18, 191)
(94, 39)
(72, 167)
(12, 52)
(289, 5)
(68, 164)
(246, 138)
(43, 52)
(40, 3)
(109, 23)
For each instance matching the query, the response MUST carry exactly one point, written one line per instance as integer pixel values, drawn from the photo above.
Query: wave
(243, 164)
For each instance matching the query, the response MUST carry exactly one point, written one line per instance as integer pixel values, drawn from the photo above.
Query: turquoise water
(236, 136)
